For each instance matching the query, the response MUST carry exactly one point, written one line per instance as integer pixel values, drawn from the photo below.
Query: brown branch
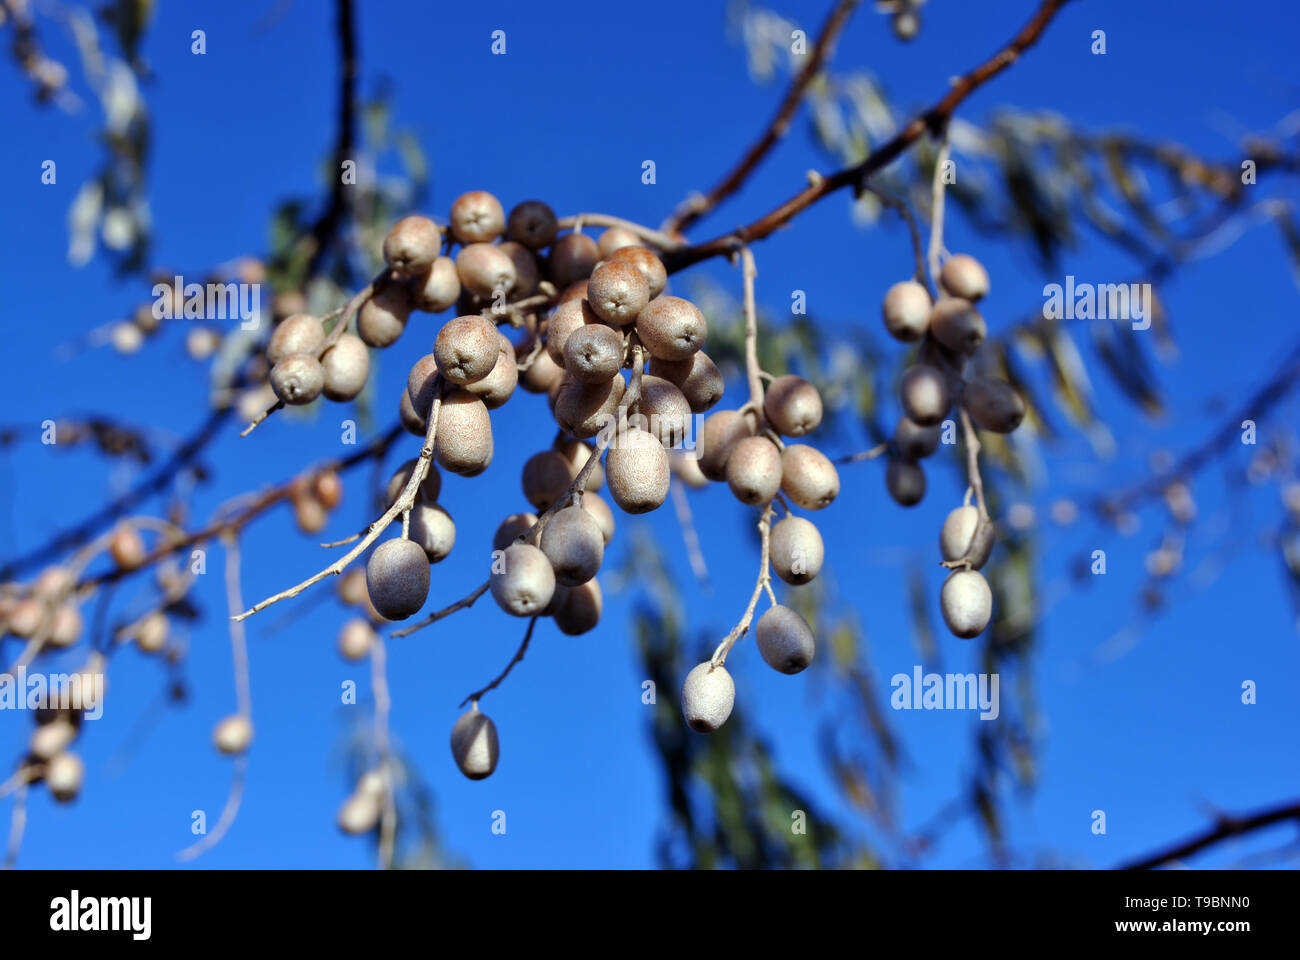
(855, 176)
(1224, 827)
(697, 206)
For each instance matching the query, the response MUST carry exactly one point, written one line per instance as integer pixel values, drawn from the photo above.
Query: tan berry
(906, 311)
(966, 603)
(512, 528)
(346, 366)
(663, 411)
(708, 696)
(528, 274)
(412, 245)
(477, 217)
(784, 640)
(617, 292)
(433, 529)
(593, 353)
(233, 734)
(566, 318)
(808, 477)
(464, 441)
(300, 333)
(383, 316)
(792, 406)
(636, 470)
(467, 349)
(298, 379)
(651, 267)
(356, 638)
(584, 409)
(580, 609)
(697, 377)
(574, 544)
(485, 270)
(719, 434)
(754, 470)
(797, 550)
(671, 328)
(438, 288)
(522, 580)
(964, 276)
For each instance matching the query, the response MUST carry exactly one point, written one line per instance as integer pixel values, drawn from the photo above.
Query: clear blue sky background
(586, 93)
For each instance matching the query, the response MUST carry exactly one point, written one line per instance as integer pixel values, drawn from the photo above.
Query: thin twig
(682, 506)
(936, 209)
(243, 701)
(17, 826)
(655, 237)
(477, 695)
(973, 461)
(904, 211)
(876, 451)
(238, 777)
(750, 271)
(404, 502)
(461, 604)
(764, 583)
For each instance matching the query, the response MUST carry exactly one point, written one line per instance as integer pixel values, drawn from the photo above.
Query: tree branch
(931, 120)
(1224, 827)
(697, 206)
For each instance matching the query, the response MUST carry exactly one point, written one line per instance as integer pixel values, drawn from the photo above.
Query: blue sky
(585, 93)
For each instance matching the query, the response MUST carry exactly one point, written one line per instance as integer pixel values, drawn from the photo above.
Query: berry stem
(519, 655)
(752, 369)
(461, 604)
(764, 583)
(936, 210)
(657, 238)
